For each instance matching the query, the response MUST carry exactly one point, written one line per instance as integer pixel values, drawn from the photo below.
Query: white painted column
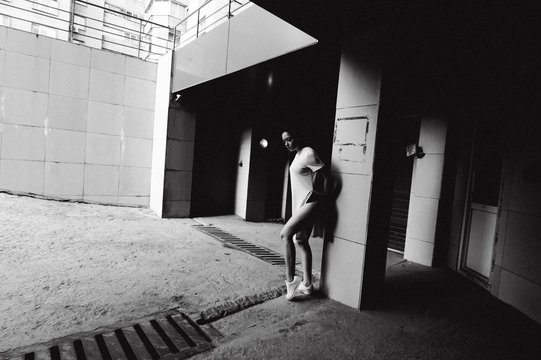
(352, 158)
(243, 173)
(426, 192)
(159, 141)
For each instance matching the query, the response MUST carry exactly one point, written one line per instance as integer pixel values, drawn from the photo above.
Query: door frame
(467, 222)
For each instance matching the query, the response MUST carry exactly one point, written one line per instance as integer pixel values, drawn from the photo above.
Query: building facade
(454, 86)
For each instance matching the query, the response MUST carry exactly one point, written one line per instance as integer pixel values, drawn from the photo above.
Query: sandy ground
(71, 267)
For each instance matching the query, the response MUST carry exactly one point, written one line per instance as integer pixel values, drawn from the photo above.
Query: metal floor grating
(174, 336)
(258, 251)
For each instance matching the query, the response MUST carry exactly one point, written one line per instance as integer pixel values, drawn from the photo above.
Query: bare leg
(290, 257)
(294, 225)
(306, 259)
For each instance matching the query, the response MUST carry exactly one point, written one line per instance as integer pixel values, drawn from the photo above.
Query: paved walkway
(62, 262)
(428, 314)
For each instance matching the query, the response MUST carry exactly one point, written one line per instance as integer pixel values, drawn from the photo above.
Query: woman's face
(289, 141)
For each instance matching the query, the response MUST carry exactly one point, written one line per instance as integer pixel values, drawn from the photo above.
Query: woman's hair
(294, 132)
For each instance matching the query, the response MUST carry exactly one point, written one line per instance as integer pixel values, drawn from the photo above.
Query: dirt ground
(70, 267)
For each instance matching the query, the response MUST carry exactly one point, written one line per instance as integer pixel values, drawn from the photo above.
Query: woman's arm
(323, 181)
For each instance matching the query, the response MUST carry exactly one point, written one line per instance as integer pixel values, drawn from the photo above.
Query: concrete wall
(76, 122)
(516, 274)
(356, 117)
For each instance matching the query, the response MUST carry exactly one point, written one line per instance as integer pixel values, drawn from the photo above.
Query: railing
(92, 25)
(206, 17)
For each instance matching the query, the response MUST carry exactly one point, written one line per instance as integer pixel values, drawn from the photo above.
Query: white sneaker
(306, 290)
(292, 287)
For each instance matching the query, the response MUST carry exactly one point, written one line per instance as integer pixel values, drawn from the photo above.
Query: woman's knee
(286, 235)
(303, 243)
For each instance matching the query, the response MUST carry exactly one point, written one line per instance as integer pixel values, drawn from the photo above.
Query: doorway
(482, 212)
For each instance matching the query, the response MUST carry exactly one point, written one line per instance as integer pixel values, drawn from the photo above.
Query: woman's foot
(306, 289)
(292, 287)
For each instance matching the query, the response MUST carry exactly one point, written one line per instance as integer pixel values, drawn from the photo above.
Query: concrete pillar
(173, 149)
(179, 162)
(352, 158)
(426, 192)
(159, 141)
(243, 172)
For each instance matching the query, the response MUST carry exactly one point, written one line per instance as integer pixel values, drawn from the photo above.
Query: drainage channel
(258, 251)
(173, 336)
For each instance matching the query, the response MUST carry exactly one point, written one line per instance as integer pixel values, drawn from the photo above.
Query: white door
(483, 209)
(481, 239)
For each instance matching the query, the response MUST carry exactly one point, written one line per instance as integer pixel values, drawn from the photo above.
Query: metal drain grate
(173, 336)
(255, 250)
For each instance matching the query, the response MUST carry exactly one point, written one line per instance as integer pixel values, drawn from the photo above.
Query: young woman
(305, 171)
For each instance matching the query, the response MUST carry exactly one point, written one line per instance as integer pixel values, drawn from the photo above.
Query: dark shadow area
(455, 307)
(298, 88)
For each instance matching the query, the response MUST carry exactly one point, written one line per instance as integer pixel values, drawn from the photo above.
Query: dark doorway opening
(298, 88)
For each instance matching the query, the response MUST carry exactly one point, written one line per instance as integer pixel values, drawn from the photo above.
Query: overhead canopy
(250, 37)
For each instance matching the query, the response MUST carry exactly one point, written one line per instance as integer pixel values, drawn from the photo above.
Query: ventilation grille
(258, 251)
(169, 337)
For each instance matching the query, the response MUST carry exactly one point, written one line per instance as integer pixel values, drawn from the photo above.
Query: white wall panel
(139, 93)
(3, 37)
(134, 181)
(107, 61)
(67, 113)
(23, 107)
(523, 246)
(359, 81)
(26, 72)
(22, 42)
(102, 149)
(138, 122)
(422, 216)
(104, 118)
(419, 251)
(106, 87)
(2, 66)
(136, 152)
(23, 143)
(66, 146)
(63, 120)
(133, 200)
(64, 180)
(352, 205)
(69, 80)
(65, 52)
(22, 175)
(432, 135)
(343, 279)
(140, 69)
(101, 180)
(521, 293)
(428, 176)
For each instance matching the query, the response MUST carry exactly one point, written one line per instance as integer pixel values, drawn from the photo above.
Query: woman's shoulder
(308, 150)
